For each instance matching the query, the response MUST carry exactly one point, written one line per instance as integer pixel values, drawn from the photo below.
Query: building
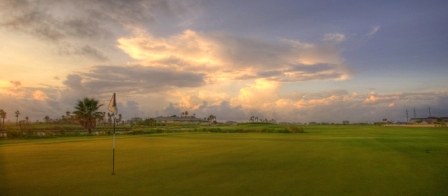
(134, 120)
(181, 120)
(429, 120)
(345, 122)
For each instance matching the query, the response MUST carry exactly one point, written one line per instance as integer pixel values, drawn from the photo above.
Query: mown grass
(326, 160)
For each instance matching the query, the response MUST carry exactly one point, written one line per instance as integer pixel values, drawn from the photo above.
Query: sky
(292, 61)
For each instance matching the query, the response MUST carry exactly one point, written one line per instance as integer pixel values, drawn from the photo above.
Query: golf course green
(325, 160)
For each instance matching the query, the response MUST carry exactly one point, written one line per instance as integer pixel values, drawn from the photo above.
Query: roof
(160, 118)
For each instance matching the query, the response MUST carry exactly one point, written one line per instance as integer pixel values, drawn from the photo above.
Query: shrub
(13, 133)
(294, 129)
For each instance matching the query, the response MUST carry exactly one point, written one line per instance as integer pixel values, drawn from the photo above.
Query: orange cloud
(39, 95)
(229, 57)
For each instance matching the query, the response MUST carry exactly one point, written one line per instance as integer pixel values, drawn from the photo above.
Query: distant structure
(429, 120)
(134, 120)
(345, 122)
(181, 120)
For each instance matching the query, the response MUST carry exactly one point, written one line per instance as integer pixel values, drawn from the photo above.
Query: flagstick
(113, 152)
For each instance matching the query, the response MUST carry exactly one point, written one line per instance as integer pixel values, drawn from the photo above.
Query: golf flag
(113, 105)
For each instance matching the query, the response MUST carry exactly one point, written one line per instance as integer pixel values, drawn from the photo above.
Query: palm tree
(109, 118)
(27, 119)
(3, 116)
(17, 116)
(87, 112)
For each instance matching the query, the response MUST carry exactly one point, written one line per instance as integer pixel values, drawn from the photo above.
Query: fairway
(326, 160)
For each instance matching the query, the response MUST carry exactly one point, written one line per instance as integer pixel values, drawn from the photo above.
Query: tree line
(86, 114)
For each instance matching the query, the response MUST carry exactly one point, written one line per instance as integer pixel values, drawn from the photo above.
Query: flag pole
(113, 152)
(113, 108)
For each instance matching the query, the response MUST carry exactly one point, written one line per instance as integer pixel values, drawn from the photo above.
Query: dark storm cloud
(132, 79)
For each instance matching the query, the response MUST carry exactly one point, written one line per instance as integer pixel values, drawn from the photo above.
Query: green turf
(326, 160)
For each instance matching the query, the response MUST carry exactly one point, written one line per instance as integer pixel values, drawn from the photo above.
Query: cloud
(334, 38)
(56, 20)
(16, 84)
(82, 27)
(258, 95)
(373, 31)
(262, 98)
(133, 79)
(220, 55)
(84, 51)
(39, 95)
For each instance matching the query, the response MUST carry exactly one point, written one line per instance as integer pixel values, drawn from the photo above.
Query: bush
(294, 129)
(13, 133)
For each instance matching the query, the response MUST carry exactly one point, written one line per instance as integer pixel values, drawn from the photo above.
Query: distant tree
(150, 122)
(3, 116)
(46, 119)
(109, 118)
(87, 112)
(186, 113)
(17, 114)
(440, 122)
(118, 120)
(102, 118)
(27, 119)
(212, 118)
(68, 117)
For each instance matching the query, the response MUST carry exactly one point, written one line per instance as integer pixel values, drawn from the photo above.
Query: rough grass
(326, 160)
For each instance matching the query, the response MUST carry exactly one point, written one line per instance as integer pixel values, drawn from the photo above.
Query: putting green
(326, 160)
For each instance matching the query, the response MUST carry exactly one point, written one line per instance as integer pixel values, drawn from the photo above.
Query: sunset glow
(275, 60)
